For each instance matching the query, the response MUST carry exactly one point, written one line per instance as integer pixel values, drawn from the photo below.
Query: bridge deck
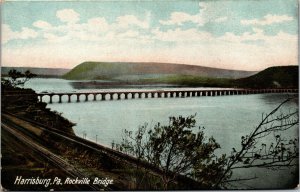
(111, 95)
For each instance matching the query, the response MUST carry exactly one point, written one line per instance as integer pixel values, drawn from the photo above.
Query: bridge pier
(41, 98)
(50, 98)
(161, 94)
(132, 95)
(103, 97)
(182, 94)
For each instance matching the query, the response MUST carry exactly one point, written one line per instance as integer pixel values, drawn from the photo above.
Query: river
(226, 118)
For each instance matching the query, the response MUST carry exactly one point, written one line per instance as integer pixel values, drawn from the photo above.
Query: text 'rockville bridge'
(123, 95)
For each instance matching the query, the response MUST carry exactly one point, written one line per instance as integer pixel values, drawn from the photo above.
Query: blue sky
(244, 34)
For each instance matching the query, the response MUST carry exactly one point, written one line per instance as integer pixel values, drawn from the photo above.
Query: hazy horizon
(235, 35)
(136, 62)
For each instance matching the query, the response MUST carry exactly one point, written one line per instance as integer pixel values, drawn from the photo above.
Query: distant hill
(123, 71)
(41, 72)
(273, 77)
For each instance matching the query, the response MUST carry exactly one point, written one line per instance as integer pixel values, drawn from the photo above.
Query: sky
(242, 35)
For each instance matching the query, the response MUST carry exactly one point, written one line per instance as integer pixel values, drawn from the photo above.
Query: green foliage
(189, 80)
(16, 78)
(213, 170)
(256, 152)
(132, 72)
(273, 77)
(175, 149)
(96, 70)
(181, 148)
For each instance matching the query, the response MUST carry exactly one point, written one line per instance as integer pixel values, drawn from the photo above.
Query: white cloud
(221, 19)
(228, 51)
(68, 15)
(126, 21)
(97, 24)
(179, 35)
(42, 24)
(179, 18)
(55, 38)
(130, 38)
(25, 33)
(248, 51)
(268, 20)
(203, 6)
(280, 38)
(7, 33)
(129, 34)
(208, 12)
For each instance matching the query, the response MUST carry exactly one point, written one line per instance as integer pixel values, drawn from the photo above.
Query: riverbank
(19, 161)
(24, 103)
(22, 114)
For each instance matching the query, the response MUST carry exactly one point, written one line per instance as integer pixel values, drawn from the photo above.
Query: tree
(175, 148)
(16, 78)
(255, 152)
(179, 148)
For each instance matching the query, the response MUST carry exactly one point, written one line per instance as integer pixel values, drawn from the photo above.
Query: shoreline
(93, 160)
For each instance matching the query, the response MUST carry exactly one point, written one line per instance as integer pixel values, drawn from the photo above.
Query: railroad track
(55, 159)
(87, 144)
(114, 155)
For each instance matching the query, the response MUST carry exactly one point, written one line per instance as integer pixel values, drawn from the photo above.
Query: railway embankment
(53, 150)
(24, 103)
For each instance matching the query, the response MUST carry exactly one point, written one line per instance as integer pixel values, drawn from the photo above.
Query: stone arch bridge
(123, 95)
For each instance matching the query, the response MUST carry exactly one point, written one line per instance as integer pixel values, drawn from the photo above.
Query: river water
(226, 118)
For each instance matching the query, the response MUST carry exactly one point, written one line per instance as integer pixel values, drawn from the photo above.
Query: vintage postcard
(149, 95)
